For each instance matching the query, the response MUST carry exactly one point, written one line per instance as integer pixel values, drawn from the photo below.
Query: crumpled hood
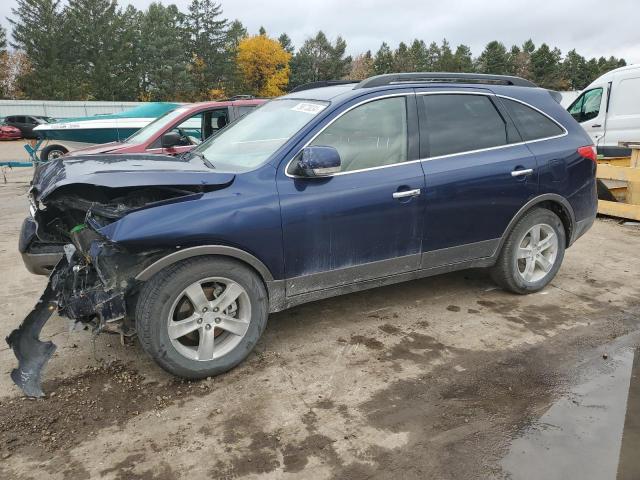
(117, 171)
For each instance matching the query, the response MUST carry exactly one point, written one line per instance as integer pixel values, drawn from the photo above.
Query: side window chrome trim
(391, 95)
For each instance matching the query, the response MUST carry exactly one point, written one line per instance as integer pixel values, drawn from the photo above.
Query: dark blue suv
(322, 192)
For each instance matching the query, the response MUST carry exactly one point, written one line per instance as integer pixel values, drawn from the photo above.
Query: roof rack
(322, 83)
(443, 77)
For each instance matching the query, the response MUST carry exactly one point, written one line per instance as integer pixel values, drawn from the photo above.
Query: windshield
(251, 140)
(158, 124)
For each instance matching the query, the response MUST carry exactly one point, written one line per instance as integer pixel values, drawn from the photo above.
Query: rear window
(532, 124)
(462, 123)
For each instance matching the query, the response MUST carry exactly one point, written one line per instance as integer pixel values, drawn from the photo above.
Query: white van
(609, 110)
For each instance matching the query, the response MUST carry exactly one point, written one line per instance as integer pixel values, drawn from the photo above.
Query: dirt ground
(430, 379)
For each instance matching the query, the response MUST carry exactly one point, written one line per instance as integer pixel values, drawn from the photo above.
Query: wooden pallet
(623, 171)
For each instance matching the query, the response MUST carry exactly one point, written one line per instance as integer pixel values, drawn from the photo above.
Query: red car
(178, 130)
(7, 132)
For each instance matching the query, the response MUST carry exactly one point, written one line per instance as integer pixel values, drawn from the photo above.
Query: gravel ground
(428, 379)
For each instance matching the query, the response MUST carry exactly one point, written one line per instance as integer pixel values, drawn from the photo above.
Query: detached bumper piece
(76, 291)
(32, 354)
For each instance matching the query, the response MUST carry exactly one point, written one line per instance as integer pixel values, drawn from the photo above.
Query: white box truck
(609, 110)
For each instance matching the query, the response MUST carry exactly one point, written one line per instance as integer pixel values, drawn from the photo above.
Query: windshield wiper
(200, 155)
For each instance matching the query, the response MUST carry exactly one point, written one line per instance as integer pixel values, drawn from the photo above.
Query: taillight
(589, 152)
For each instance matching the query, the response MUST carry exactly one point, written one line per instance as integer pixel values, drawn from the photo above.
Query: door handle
(596, 125)
(520, 173)
(407, 193)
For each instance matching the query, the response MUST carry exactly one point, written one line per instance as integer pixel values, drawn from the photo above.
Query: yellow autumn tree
(263, 65)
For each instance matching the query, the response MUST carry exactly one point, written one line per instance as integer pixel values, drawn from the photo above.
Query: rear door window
(532, 124)
(457, 123)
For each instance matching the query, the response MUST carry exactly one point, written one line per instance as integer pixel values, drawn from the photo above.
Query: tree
(319, 59)
(164, 64)
(264, 66)
(236, 32)
(383, 61)
(462, 60)
(99, 37)
(207, 32)
(574, 68)
(433, 57)
(262, 31)
(286, 43)
(447, 62)
(362, 67)
(401, 59)
(37, 32)
(13, 66)
(545, 68)
(418, 55)
(3, 40)
(493, 59)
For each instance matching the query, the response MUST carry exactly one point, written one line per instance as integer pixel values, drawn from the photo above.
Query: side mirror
(319, 161)
(170, 139)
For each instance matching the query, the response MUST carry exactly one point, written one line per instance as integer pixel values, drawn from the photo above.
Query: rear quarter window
(532, 124)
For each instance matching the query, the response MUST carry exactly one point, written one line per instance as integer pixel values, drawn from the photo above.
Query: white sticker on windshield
(312, 108)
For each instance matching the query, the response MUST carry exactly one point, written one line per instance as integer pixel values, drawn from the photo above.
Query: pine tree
(97, 35)
(383, 61)
(3, 40)
(37, 32)
(319, 59)
(545, 68)
(462, 59)
(574, 69)
(433, 57)
(402, 59)
(236, 32)
(493, 59)
(286, 43)
(418, 55)
(207, 37)
(164, 64)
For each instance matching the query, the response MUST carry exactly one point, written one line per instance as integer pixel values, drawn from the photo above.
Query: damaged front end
(73, 202)
(89, 285)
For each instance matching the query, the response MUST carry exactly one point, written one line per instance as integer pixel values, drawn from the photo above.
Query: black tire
(53, 151)
(506, 272)
(159, 294)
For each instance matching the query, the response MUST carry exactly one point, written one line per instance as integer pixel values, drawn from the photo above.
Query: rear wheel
(202, 316)
(52, 152)
(532, 254)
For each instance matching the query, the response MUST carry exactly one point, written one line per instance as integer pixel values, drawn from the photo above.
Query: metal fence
(60, 109)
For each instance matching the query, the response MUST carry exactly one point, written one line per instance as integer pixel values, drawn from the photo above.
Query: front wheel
(202, 316)
(532, 254)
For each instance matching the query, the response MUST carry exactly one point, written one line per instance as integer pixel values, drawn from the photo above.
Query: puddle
(581, 435)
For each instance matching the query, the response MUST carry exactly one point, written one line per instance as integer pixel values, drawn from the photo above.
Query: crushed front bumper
(37, 257)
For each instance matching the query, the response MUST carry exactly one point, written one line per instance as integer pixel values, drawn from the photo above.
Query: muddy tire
(202, 316)
(532, 254)
(52, 152)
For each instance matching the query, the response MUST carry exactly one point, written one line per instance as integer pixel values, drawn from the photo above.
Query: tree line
(97, 50)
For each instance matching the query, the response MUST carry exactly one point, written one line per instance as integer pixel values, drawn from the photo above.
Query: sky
(593, 27)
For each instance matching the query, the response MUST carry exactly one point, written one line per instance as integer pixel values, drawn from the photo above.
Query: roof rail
(443, 77)
(322, 83)
(240, 97)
